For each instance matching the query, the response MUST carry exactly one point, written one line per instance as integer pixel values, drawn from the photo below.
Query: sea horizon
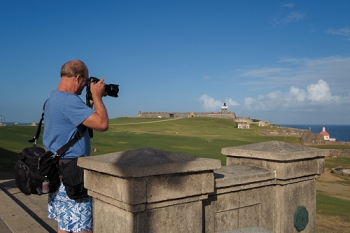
(340, 132)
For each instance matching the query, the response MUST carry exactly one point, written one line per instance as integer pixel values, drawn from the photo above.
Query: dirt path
(331, 224)
(331, 185)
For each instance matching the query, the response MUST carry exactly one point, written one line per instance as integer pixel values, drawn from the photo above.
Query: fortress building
(223, 114)
(230, 115)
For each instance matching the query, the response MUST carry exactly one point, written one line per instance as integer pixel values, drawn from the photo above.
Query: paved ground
(21, 213)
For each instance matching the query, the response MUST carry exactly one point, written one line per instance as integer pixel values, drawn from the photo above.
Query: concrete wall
(265, 187)
(244, 120)
(230, 115)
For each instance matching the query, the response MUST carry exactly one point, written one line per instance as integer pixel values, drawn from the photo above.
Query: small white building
(264, 123)
(326, 135)
(243, 125)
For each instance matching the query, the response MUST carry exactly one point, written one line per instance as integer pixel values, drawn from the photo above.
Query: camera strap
(33, 140)
(78, 135)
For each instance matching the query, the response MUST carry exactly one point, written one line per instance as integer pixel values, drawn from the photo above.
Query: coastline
(340, 132)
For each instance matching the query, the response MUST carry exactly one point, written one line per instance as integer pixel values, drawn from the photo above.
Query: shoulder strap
(35, 138)
(79, 134)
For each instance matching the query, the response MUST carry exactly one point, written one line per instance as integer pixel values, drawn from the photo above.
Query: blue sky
(287, 62)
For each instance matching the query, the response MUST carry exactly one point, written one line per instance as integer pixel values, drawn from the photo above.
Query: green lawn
(202, 137)
(331, 206)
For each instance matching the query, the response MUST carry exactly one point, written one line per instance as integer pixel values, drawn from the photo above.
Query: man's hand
(98, 89)
(99, 120)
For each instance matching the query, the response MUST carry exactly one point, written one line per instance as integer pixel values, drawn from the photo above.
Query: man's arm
(98, 120)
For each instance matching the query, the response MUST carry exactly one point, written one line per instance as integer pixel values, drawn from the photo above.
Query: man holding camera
(65, 114)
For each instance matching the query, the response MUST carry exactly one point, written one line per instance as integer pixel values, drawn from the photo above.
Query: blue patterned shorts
(71, 215)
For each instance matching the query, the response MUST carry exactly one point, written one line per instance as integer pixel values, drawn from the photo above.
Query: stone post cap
(146, 162)
(275, 150)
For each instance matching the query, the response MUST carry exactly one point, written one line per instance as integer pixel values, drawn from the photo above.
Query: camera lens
(112, 90)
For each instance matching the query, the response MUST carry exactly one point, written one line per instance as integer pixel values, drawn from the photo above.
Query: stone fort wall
(267, 187)
(230, 115)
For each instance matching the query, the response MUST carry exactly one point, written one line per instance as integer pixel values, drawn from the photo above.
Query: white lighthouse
(224, 108)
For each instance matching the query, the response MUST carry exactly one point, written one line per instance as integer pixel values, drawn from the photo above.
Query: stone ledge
(146, 162)
(284, 170)
(243, 187)
(150, 189)
(275, 151)
(241, 174)
(145, 206)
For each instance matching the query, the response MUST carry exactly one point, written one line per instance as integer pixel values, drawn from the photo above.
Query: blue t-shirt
(64, 112)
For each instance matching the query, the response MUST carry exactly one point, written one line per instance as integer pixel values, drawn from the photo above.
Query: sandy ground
(329, 184)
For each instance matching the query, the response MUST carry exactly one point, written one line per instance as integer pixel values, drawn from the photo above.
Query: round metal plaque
(301, 218)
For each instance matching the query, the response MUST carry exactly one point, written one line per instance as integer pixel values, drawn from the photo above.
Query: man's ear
(77, 77)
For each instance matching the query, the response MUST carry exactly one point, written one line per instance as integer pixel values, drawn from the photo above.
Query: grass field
(202, 137)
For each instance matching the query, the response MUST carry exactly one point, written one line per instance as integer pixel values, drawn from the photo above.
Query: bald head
(74, 76)
(73, 68)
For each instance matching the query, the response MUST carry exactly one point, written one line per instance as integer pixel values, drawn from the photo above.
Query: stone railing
(265, 187)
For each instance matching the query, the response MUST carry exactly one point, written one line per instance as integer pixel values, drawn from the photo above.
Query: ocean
(340, 132)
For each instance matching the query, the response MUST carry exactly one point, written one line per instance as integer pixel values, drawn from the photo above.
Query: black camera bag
(73, 179)
(36, 165)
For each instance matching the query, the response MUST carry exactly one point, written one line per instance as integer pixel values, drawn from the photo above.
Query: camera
(110, 89)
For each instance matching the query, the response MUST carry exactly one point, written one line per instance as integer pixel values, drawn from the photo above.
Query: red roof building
(325, 134)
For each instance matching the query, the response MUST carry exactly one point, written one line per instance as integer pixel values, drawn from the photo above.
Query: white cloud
(299, 94)
(297, 90)
(230, 102)
(286, 16)
(317, 94)
(303, 71)
(264, 72)
(292, 17)
(289, 5)
(339, 32)
(292, 90)
(210, 104)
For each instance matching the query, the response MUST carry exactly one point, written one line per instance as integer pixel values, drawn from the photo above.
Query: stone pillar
(148, 190)
(293, 193)
(242, 200)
